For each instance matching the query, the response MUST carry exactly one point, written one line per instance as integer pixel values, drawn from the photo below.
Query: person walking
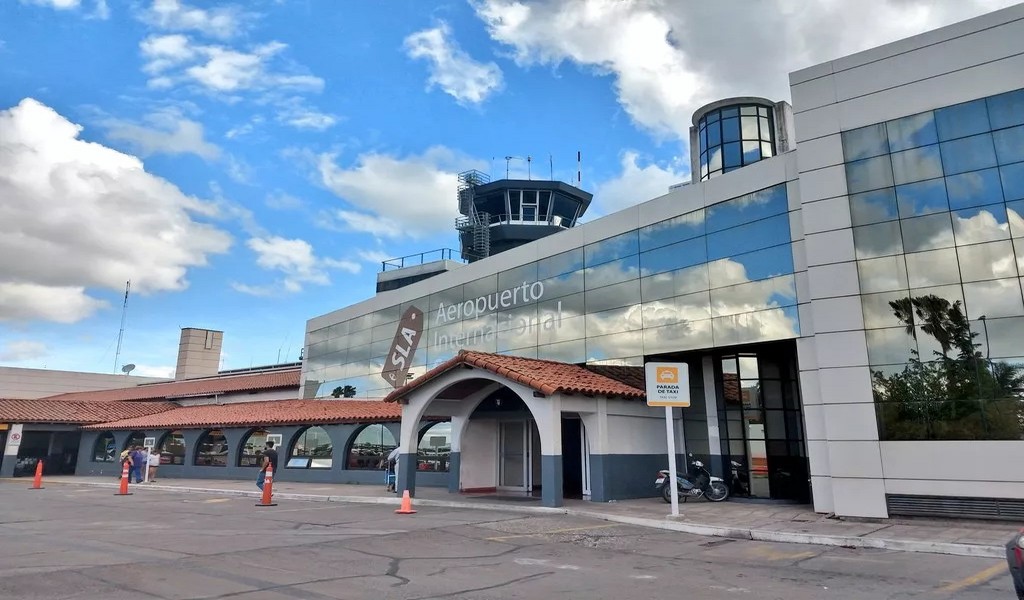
(269, 459)
(393, 460)
(138, 463)
(152, 462)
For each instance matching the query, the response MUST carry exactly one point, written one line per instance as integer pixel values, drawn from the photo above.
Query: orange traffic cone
(268, 488)
(124, 482)
(406, 508)
(37, 483)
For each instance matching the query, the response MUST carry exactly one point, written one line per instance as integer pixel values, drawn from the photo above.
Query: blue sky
(248, 165)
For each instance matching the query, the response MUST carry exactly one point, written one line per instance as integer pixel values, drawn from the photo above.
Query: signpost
(147, 443)
(668, 385)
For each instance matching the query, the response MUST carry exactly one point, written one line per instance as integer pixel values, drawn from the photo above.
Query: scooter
(693, 485)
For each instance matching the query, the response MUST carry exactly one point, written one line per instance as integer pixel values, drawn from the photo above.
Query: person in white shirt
(153, 461)
(393, 460)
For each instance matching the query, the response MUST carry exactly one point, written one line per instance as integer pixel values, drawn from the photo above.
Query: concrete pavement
(75, 541)
(735, 519)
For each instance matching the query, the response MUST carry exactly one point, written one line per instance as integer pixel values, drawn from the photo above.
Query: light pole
(988, 347)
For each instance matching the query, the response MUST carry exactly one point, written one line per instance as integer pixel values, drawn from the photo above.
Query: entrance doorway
(574, 473)
(518, 456)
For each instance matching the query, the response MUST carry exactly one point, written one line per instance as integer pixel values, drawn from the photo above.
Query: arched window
(212, 449)
(312, 450)
(172, 448)
(371, 447)
(137, 438)
(252, 448)
(435, 449)
(105, 449)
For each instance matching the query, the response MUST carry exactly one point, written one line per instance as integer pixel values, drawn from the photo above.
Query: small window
(371, 447)
(313, 449)
(252, 448)
(435, 448)
(172, 448)
(212, 450)
(105, 449)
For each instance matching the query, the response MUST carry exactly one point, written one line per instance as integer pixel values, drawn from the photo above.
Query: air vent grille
(1007, 509)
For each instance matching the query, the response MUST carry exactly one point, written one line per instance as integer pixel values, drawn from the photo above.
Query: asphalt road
(82, 542)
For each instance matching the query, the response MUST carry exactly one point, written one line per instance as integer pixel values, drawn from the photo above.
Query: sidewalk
(739, 519)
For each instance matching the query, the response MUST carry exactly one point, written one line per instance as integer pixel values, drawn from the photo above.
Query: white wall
(39, 383)
(480, 454)
(851, 470)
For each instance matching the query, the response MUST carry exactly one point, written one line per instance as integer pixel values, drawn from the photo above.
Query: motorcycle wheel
(666, 494)
(717, 491)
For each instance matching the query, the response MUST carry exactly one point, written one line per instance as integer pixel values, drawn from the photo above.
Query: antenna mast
(120, 334)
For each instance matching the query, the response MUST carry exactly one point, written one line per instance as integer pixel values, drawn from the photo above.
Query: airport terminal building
(842, 278)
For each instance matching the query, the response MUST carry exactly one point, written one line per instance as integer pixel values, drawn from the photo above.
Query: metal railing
(421, 258)
(556, 220)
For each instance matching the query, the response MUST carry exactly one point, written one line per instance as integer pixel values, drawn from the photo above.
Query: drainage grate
(1004, 509)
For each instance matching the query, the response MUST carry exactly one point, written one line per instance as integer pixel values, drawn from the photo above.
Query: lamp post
(988, 347)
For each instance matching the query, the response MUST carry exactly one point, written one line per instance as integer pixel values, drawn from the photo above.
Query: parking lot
(83, 542)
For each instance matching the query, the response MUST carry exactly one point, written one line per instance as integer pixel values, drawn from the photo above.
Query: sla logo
(668, 374)
(403, 348)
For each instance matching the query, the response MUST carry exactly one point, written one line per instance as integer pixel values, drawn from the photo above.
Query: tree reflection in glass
(959, 395)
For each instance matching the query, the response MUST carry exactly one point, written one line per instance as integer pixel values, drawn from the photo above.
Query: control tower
(503, 214)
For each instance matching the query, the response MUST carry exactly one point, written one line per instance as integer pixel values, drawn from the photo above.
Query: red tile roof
(273, 412)
(545, 376)
(208, 386)
(60, 411)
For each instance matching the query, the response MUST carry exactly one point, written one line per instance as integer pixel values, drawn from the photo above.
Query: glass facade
(937, 204)
(734, 136)
(718, 276)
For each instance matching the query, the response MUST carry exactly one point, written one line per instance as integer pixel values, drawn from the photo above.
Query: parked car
(1015, 561)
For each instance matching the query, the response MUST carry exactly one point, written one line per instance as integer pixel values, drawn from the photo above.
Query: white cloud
(634, 184)
(451, 68)
(56, 4)
(173, 59)
(374, 256)
(295, 259)
(295, 112)
(166, 372)
(166, 132)
(221, 22)
(22, 350)
(77, 216)
(395, 197)
(281, 201)
(238, 170)
(668, 58)
(245, 128)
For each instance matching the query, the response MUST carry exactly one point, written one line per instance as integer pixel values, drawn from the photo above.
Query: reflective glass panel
(997, 298)
(1015, 214)
(878, 313)
(881, 239)
(748, 328)
(752, 236)
(974, 189)
(748, 125)
(865, 142)
(715, 160)
(714, 135)
(766, 128)
(732, 154)
(873, 207)
(751, 152)
(627, 318)
(976, 225)
(691, 279)
(510, 278)
(889, 346)
(618, 345)
(1006, 110)
(916, 164)
(489, 285)
(658, 286)
(962, 120)
(1009, 145)
(912, 132)
(748, 208)
(574, 351)
(1013, 181)
(666, 312)
(869, 174)
(882, 274)
(613, 296)
(568, 328)
(1004, 336)
(612, 272)
(927, 233)
(730, 130)
(968, 154)
(673, 230)
(994, 260)
(922, 198)
(753, 296)
(766, 150)
(675, 256)
(928, 269)
(612, 248)
(562, 285)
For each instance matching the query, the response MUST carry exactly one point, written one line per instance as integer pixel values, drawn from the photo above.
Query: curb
(760, 535)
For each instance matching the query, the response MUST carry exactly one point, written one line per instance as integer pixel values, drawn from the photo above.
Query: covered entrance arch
(523, 401)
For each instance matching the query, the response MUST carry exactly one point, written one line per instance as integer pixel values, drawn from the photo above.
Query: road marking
(773, 554)
(977, 578)
(551, 532)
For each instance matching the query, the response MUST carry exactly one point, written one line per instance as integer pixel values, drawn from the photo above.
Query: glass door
(512, 461)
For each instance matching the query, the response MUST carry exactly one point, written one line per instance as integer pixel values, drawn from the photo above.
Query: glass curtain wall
(937, 204)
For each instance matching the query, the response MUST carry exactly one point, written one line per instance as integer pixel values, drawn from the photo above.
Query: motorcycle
(693, 485)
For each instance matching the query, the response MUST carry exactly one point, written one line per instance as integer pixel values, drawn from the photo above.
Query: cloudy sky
(248, 165)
